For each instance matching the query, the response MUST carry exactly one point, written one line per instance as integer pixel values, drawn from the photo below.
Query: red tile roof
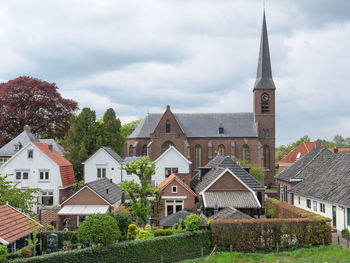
(339, 149)
(171, 178)
(66, 168)
(302, 148)
(14, 224)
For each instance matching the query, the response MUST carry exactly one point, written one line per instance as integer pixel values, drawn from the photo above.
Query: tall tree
(139, 193)
(81, 139)
(126, 128)
(111, 131)
(33, 102)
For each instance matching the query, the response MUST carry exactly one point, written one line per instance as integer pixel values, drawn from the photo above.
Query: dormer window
(167, 126)
(221, 130)
(18, 146)
(174, 189)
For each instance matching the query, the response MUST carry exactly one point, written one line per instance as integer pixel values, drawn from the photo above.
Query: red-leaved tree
(33, 102)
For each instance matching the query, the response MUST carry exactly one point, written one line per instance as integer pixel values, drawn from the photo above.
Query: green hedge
(173, 248)
(251, 235)
(71, 236)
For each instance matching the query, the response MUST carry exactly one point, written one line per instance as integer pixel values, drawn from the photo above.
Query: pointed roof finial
(264, 73)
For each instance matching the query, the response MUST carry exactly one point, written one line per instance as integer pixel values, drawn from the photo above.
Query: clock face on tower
(264, 97)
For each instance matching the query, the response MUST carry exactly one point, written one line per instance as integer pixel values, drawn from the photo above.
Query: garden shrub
(142, 233)
(178, 227)
(16, 255)
(345, 234)
(251, 235)
(192, 222)
(99, 229)
(173, 248)
(3, 253)
(132, 232)
(123, 221)
(71, 236)
(26, 252)
(163, 232)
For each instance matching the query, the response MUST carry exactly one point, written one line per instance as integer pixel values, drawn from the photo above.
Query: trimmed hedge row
(172, 248)
(71, 236)
(251, 235)
(286, 210)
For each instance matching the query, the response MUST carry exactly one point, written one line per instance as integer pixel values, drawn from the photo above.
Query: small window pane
(41, 175)
(98, 172)
(25, 176)
(46, 175)
(30, 154)
(18, 175)
(103, 172)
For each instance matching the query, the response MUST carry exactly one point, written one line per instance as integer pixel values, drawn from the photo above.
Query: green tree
(111, 134)
(81, 139)
(3, 253)
(126, 128)
(192, 222)
(99, 228)
(22, 199)
(123, 221)
(139, 193)
(283, 150)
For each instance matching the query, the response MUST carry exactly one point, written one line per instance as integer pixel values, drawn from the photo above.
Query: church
(248, 136)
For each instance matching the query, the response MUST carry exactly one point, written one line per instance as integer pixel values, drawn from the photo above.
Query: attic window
(221, 130)
(30, 154)
(174, 189)
(167, 126)
(298, 155)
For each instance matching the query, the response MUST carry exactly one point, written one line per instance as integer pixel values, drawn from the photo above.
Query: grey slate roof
(330, 182)
(172, 219)
(264, 73)
(238, 199)
(24, 138)
(230, 213)
(129, 159)
(113, 154)
(218, 165)
(114, 192)
(198, 125)
(307, 165)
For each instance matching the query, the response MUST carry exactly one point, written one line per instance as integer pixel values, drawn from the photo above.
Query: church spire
(264, 73)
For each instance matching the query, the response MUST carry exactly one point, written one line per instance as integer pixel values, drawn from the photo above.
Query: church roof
(264, 72)
(203, 125)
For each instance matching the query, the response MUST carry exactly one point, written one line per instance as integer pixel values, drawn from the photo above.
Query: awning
(83, 210)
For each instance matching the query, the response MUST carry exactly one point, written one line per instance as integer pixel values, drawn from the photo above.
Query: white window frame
(32, 154)
(173, 203)
(171, 171)
(47, 193)
(102, 173)
(21, 173)
(46, 175)
(172, 189)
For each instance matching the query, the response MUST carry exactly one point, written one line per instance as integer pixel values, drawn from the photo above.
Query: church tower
(264, 107)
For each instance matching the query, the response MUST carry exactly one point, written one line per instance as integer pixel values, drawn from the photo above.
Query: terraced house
(200, 137)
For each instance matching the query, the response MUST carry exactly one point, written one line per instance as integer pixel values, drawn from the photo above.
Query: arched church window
(131, 151)
(266, 153)
(167, 126)
(265, 103)
(245, 153)
(144, 150)
(166, 145)
(221, 149)
(263, 133)
(198, 156)
(267, 133)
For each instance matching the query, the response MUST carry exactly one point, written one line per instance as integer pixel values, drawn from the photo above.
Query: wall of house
(20, 162)
(289, 186)
(102, 159)
(189, 199)
(341, 220)
(171, 159)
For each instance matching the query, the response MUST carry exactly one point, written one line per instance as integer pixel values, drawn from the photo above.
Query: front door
(334, 216)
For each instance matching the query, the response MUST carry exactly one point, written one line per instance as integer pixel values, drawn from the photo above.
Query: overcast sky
(197, 56)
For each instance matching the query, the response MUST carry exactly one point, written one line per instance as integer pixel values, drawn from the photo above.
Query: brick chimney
(335, 150)
(50, 148)
(27, 128)
(318, 144)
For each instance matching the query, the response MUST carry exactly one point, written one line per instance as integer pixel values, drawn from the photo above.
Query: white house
(107, 163)
(170, 162)
(326, 191)
(39, 165)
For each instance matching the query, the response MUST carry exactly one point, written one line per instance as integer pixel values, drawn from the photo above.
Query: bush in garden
(345, 234)
(123, 221)
(192, 222)
(132, 232)
(99, 228)
(142, 233)
(26, 252)
(3, 253)
(163, 232)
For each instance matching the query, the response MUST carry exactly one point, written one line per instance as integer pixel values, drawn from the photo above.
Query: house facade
(201, 136)
(99, 196)
(12, 147)
(175, 195)
(39, 165)
(223, 183)
(326, 191)
(299, 170)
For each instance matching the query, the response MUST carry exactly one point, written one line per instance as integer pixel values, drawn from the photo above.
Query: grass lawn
(271, 190)
(334, 253)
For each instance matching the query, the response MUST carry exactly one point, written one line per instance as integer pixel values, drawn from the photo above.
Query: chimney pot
(27, 128)
(110, 180)
(50, 148)
(335, 150)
